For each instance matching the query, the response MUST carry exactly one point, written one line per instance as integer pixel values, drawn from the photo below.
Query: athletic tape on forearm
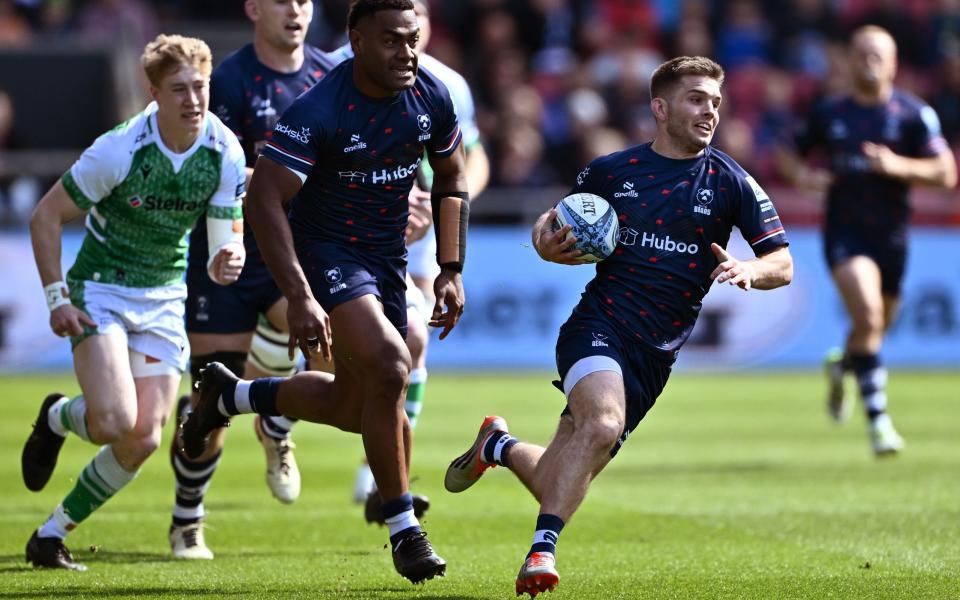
(221, 232)
(57, 295)
(451, 212)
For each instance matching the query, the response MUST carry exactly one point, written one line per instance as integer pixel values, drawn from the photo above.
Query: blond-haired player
(142, 187)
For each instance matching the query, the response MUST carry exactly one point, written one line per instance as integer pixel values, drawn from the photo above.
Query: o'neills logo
(302, 136)
(651, 240)
(401, 172)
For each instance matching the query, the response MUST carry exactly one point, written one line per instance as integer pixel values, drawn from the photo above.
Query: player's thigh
(598, 395)
(155, 398)
(277, 315)
(102, 366)
(209, 343)
(364, 338)
(858, 281)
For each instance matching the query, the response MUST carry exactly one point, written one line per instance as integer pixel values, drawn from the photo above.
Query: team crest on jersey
(423, 122)
(135, 201)
(704, 197)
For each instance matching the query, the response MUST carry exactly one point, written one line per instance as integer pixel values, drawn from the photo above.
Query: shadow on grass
(67, 591)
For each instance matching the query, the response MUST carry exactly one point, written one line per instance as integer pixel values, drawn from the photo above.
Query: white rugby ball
(594, 222)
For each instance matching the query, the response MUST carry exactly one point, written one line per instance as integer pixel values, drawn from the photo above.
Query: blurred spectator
(131, 23)
(519, 159)
(744, 37)
(14, 27)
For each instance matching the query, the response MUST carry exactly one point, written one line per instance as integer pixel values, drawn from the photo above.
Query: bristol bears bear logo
(704, 196)
(333, 275)
(423, 122)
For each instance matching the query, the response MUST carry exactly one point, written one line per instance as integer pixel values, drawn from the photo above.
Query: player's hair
(671, 72)
(169, 53)
(362, 8)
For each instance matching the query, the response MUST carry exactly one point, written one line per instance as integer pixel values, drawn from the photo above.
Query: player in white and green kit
(142, 186)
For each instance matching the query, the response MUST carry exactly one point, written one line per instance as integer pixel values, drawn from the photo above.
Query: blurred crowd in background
(558, 82)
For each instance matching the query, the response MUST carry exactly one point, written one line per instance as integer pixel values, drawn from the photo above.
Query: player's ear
(354, 36)
(252, 9)
(154, 92)
(659, 108)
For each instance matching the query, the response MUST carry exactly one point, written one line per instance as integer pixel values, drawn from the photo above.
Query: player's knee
(109, 426)
(394, 370)
(601, 433)
(234, 361)
(868, 321)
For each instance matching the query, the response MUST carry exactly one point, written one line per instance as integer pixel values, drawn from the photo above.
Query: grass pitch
(735, 486)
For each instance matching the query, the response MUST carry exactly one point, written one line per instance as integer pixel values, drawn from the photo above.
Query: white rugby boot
(186, 541)
(283, 475)
(884, 437)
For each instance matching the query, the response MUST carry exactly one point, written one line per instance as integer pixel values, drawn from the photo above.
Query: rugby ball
(594, 223)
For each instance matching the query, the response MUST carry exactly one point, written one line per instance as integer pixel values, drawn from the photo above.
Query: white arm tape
(220, 234)
(57, 295)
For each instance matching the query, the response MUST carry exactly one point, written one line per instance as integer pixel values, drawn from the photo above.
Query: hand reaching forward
(737, 272)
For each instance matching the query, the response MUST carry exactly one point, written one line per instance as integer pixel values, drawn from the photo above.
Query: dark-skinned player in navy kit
(346, 154)
(677, 199)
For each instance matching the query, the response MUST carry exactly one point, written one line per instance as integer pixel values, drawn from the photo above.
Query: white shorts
(422, 256)
(150, 318)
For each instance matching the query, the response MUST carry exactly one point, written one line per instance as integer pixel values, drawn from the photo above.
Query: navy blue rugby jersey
(651, 288)
(860, 200)
(358, 156)
(249, 98)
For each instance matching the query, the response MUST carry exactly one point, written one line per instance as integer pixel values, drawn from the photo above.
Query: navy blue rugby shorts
(337, 274)
(889, 254)
(235, 308)
(586, 346)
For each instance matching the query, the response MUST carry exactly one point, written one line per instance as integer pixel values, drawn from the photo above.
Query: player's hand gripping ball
(594, 223)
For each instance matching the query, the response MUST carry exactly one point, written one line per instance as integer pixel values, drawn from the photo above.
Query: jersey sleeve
(448, 128)
(227, 100)
(929, 138)
(756, 217)
(592, 179)
(227, 202)
(98, 171)
(811, 133)
(297, 139)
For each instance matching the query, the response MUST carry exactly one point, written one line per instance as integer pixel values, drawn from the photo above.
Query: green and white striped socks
(98, 482)
(69, 415)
